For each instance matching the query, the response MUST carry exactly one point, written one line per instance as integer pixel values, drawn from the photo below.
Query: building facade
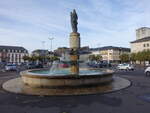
(40, 52)
(110, 53)
(12, 54)
(142, 32)
(61, 51)
(142, 41)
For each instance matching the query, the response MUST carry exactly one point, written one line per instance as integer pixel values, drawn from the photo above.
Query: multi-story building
(40, 52)
(142, 32)
(12, 54)
(110, 53)
(61, 51)
(142, 41)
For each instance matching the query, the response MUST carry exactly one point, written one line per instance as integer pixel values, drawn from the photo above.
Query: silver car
(125, 67)
(11, 67)
(147, 71)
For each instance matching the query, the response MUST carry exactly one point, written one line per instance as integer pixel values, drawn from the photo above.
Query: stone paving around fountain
(124, 101)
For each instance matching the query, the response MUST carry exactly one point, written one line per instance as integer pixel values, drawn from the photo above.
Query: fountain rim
(28, 73)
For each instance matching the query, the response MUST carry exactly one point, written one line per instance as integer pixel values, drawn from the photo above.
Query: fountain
(70, 81)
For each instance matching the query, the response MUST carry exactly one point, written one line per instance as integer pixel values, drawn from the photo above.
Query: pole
(51, 42)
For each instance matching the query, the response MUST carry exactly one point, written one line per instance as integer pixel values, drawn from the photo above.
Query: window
(143, 45)
(143, 31)
(147, 45)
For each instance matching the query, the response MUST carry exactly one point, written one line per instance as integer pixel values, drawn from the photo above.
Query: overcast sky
(28, 23)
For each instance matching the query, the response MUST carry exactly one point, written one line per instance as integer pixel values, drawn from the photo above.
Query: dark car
(39, 66)
(31, 66)
(34, 66)
(106, 64)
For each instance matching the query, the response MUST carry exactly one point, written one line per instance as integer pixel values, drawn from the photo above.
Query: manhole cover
(145, 97)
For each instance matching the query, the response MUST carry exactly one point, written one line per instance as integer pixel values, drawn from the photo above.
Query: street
(134, 99)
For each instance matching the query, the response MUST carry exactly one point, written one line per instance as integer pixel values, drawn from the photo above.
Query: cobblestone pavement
(124, 101)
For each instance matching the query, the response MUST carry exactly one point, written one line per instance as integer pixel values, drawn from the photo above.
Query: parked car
(11, 67)
(100, 64)
(39, 66)
(63, 65)
(106, 64)
(147, 71)
(33, 66)
(125, 67)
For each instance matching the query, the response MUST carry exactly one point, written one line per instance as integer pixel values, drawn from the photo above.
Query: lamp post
(51, 42)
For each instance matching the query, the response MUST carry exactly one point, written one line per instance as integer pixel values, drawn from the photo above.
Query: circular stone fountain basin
(62, 78)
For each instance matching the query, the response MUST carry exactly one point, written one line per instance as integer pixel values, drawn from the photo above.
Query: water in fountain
(57, 69)
(55, 66)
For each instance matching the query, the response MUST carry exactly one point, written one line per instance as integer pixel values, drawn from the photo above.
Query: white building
(142, 32)
(12, 54)
(142, 41)
(110, 53)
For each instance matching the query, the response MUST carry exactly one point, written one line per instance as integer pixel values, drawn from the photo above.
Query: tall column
(74, 56)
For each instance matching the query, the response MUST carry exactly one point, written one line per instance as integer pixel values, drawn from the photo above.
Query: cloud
(107, 22)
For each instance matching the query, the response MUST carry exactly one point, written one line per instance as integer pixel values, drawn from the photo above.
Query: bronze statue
(74, 22)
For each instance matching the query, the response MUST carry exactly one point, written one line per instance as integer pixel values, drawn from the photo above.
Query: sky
(29, 23)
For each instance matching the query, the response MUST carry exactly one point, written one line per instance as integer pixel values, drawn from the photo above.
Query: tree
(140, 57)
(95, 57)
(98, 57)
(26, 58)
(124, 58)
(52, 58)
(91, 57)
(133, 57)
(146, 55)
(143, 56)
(55, 58)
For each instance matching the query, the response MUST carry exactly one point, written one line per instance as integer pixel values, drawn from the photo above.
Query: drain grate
(145, 97)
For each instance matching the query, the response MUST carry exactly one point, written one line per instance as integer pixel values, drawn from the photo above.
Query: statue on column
(74, 21)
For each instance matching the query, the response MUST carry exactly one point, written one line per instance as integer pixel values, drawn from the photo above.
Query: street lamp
(51, 42)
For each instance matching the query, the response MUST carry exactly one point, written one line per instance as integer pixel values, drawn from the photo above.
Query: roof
(40, 50)
(84, 52)
(143, 28)
(12, 47)
(141, 40)
(110, 47)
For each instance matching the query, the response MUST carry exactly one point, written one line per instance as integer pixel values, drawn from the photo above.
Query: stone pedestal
(74, 64)
(74, 57)
(74, 40)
